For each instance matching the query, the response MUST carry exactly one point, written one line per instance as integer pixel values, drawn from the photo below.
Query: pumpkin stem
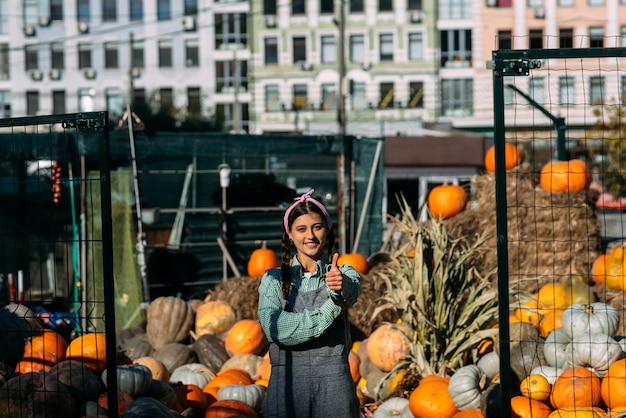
(482, 382)
(194, 336)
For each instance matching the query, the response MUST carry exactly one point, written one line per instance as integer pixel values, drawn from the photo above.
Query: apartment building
(69, 56)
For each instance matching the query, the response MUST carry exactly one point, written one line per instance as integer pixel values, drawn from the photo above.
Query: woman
(303, 310)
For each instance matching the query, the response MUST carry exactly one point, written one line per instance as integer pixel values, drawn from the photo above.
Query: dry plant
(444, 303)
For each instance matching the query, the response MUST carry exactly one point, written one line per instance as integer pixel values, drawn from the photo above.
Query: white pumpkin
(251, 395)
(555, 348)
(490, 364)
(549, 372)
(393, 407)
(595, 351)
(466, 387)
(192, 373)
(595, 318)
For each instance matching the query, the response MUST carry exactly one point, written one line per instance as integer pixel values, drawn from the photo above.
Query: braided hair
(296, 211)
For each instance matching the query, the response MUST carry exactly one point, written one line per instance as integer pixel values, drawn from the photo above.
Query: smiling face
(308, 233)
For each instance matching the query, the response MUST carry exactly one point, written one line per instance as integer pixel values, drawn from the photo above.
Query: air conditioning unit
(55, 74)
(189, 23)
(83, 27)
(306, 66)
(36, 75)
(44, 21)
(270, 21)
(539, 12)
(491, 3)
(135, 72)
(89, 73)
(416, 16)
(29, 30)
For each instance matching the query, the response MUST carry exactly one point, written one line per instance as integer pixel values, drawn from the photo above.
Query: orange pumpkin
(261, 260)
(36, 361)
(512, 157)
(446, 200)
(266, 367)
(249, 362)
(354, 361)
(387, 346)
(469, 413)
(523, 407)
(158, 369)
(227, 377)
(123, 401)
(576, 386)
(89, 349)
(356, 260)
(246, 337)
(191, 396)
(613, 388)
(431, 399)
(565, 176)
(49, 341)
(230, 408)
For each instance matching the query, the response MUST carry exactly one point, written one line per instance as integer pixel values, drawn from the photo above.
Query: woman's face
(308, 234)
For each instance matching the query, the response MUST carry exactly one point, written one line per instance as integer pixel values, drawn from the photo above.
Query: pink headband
(306, 198)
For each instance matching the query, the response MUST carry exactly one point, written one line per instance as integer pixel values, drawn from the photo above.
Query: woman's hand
(334, 278)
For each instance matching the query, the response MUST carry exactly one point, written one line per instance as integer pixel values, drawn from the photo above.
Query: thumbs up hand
(334, 278)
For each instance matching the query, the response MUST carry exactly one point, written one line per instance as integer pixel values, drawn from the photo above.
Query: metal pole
(341, 120)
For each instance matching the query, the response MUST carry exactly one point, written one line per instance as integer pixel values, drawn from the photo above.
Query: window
(385, 5)
(191, 7)
(271, 50)
(386, 96)
(227, 113)
(230, 29)
(566, 91)
(137, 54)
(56, 11)
(566, 38)
(535, 3)
(192, 57)
(4, 63)
(5, 104)
(194, 103)
(357, 48)
(356, 6)
(456, 48)
(31, 59)
(416, 95)
(596, 37)
(166, 98)
(4, 20)
(83, 11)
(386, 46)
(456, 97)
(269, 7)
(299, 96)
(272, 98)
(416, 47)
(505, 39)
(58, 102)
(297, 7)
(164, 11)
(327, 6)
(622, 39)
(110, 55)
(459, 9)
(32, 103)
(535, 39)
(85, 100)
(414, 4)
(31, 11)
(623, 92)
(358, 96)
(165, 53)
(84, 56)
(229, 74)
(596, 90)
(596, 3)
(136, 10)
(57, 56)
(565, 3)
(329, 97)
(329, 49)
(109, 10)
(115, 102)
(536, 89)
(299, 49)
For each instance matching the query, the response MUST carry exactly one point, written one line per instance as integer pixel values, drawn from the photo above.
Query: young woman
(303, 310)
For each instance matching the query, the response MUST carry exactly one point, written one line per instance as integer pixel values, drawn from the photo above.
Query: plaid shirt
(292, 328)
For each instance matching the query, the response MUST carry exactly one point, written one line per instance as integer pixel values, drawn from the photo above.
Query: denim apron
(312, 379)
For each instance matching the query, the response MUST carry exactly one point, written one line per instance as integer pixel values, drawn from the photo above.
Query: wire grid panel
(55, 265)
(563, 109)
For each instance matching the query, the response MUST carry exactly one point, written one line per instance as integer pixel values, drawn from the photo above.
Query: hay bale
(550, 235)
